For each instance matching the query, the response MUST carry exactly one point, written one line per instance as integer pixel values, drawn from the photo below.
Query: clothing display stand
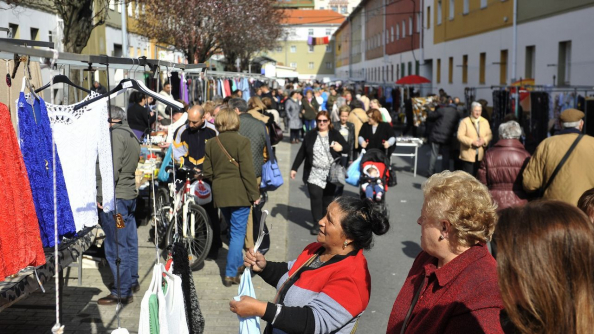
(30, 279)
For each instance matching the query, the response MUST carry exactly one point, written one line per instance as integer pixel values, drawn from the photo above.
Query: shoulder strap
(231, 159)
(562, 162)
(412, 306)
(296, 272)
(358, 117)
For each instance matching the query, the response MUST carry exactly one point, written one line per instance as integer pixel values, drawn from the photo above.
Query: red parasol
(413, 80)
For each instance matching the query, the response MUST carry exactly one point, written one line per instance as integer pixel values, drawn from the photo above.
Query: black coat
(376, 140)
(307, 147)
(351, 141)
(446, 120)
(139, 118)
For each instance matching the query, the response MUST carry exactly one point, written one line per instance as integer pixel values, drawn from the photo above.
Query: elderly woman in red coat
(501, 169)
(452, 285)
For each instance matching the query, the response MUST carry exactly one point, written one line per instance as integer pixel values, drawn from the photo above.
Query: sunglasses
(322, 121)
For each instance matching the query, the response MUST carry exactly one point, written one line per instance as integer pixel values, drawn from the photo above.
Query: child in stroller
(373, 183)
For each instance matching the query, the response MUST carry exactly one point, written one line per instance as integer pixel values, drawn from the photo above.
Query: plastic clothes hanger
(60, 78)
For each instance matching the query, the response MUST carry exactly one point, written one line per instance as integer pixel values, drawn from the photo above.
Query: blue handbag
(163, 176)
(354, 171)
(271, 175)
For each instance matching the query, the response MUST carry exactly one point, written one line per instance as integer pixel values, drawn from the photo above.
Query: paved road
(393, 253)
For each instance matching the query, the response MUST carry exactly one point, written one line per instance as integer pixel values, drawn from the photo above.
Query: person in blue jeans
(228, 164)
(121, 243)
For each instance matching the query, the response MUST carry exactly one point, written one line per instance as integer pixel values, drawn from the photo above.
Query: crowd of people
(507, 237)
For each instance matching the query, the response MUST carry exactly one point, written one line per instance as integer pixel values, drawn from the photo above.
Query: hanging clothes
(181, 267)
(81, 137)
(153, 308)
(36, 147)
(175, 85)
(183, 89)
(17, 209)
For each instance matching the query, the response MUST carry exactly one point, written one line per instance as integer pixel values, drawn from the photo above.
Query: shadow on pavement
(417, 185)
(411, 249)
(299, 216)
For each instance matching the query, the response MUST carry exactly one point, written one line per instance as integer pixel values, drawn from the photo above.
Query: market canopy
(412, 80)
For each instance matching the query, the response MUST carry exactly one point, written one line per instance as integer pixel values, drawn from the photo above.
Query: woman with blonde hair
(228, 165)
(374, 104)
(545, 263)
(257, 109)
(452, 285)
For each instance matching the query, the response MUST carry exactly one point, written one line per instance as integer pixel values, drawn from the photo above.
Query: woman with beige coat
(474, 135)
(358, 117)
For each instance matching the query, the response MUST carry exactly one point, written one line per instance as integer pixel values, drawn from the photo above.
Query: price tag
(127, 84)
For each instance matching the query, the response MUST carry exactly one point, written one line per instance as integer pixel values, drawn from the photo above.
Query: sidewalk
(81, 314)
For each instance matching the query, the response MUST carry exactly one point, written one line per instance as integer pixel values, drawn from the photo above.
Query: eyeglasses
(322, 121)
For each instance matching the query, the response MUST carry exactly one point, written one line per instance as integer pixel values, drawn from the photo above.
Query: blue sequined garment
(36, 146)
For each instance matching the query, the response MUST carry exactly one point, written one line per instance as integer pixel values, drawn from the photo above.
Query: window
(294, 65)
(402, 73)
(343, 9)
(417, 66)
(392, 34)
(439, 13)
(465, 69)
(13, 31)
(403, 29)
(119, 6)
(419, 23)
(410, 26)
(310, 32)
(328, 48)
(451, 70)
(334, 8)
(387, 34)
(466, 5)
(428, 17)
(564, 65)
(111, 5)
(146, 53)
(410, 68)
(310, 65)
(484, 3)
(322, 8)
(438, 74)
(329, 65)
(452, 9)
(397, 32)
(503, 67)
(34, 34)
(293, 49)
(328, 32)
(279, 49)
(530, 62)
(397, 72)
(310, 48)
(130, 9)
(50, 36)
(482, 64)
(131, 52)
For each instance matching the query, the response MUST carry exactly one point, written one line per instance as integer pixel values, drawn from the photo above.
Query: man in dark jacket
(126, 153)
(445, 120)
(255, 131)
(267, 93)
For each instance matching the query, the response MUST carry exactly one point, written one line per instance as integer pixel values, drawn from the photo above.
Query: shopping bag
(271, 175)
(354, 171)
(163, 175)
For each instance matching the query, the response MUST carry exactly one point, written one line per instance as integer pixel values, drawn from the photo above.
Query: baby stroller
(377, 158)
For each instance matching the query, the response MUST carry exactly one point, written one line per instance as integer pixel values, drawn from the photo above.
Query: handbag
(542, 190)
(354, 171)
(276, 133)
(271, 175)
(337, 173)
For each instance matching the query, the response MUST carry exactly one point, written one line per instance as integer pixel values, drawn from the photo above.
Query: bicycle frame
(182, 200)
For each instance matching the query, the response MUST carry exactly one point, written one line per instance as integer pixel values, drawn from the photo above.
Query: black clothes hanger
(60, 78)
(134, 84)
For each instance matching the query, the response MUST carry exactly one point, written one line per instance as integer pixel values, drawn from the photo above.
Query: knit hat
(571, 115)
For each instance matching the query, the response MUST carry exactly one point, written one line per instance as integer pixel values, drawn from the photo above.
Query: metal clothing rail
(237, 74)
(8, 49)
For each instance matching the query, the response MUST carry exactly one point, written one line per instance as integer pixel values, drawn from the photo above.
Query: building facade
(294, 50)
(344, 7)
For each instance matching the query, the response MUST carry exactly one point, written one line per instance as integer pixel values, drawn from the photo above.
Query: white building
(344, 7)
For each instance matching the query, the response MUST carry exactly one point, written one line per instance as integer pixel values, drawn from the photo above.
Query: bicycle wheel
(198, 244)
(162, 206)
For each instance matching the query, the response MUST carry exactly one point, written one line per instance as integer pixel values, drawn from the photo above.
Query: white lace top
(81, 136)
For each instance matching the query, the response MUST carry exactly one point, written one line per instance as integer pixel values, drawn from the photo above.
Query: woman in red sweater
(452, 285)
(326, 289)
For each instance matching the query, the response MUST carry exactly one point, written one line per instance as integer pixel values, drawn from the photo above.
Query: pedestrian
(139, 118)
(165, 93)
(501, 169)
(328, 286)
(446, 123)
(310, 110)
(319, 149)
(256, 108)
(545, 268)
(410, 118)
(358, 117)
(375, 104)
(319, 99)
(125, 150)
(270, 110)
(576, 175)
(474, 135)
(376, 133)
(586, 204)
(339, 102)
(255, 131)
(98, 88)
(228, 165)
(266, 92)
(347, 130)
(178, 117)
(293, 110)
(452, 285)
(331, 98)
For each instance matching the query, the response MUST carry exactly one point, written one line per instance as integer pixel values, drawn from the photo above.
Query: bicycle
(193, 227)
